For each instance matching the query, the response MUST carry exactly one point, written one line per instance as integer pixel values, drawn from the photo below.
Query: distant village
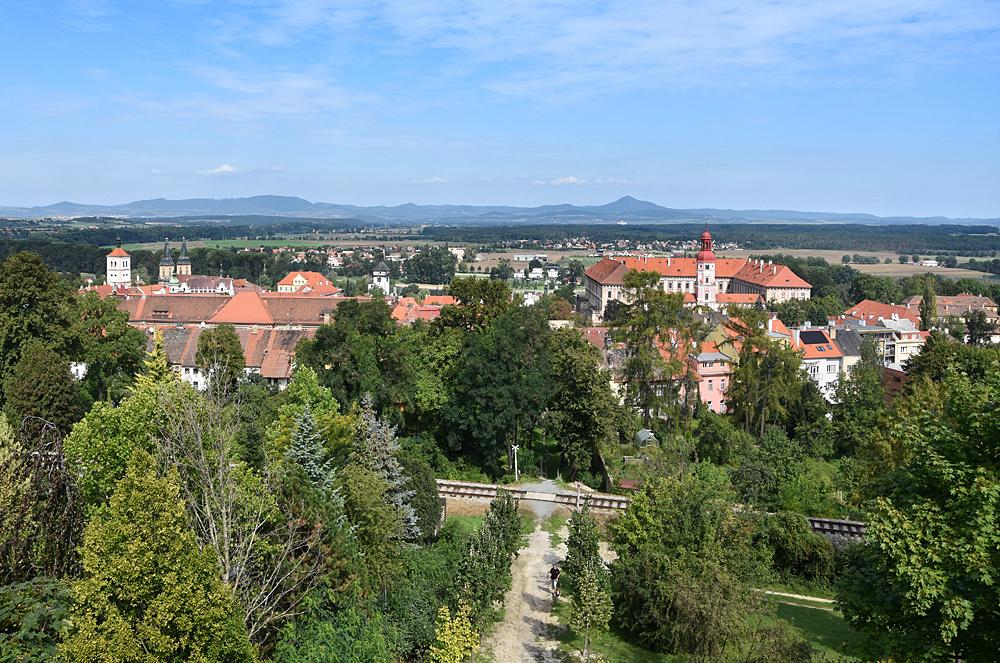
(270, 323)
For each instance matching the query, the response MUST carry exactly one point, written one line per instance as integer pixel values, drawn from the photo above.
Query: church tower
(706, 288)
(119, 267)
(183, 261)
(166, 264)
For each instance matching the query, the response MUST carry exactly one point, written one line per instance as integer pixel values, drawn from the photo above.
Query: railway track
(604, 502)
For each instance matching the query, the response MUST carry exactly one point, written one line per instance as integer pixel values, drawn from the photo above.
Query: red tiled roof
(594, 335)
(825, 349)
(118, 252)
(607, 272)
(245, 307)
(869, 309)
(439, 300)
(312, 278)
(770, 275)
(611, 271)
(737, 298)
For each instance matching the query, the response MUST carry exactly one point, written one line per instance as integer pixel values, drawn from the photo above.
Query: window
(710, 387)
(831, 368)
(722, 385)
(814, 370)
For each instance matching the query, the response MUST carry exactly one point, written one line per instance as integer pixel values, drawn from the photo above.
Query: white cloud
(611, 181)
(581, 47)
(221, 169)
(156, 171)
(569, 180)
(431, 180)
(88, 15)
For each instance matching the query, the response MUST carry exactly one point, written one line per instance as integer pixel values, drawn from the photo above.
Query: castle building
(119, 267)
(704, 280)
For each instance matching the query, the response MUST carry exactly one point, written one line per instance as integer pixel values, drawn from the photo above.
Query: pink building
(712, 369)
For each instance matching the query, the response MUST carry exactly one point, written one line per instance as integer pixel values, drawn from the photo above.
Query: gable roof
(311, 278)
(607, 272)
(770, 275)
(817, 344)
(245, 307)
(118, 252)
(869, 309)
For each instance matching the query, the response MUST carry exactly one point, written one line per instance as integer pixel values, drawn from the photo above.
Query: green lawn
(824, 629)
(468, 524)
(552, 525)
(609, 646)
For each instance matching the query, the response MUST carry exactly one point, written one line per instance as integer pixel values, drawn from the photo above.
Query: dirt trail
(523, 635)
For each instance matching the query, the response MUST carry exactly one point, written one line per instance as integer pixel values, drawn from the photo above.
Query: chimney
(833, 333)
(795, 336)
(770, 325)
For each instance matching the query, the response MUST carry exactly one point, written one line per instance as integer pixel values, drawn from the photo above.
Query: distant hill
(625, 208)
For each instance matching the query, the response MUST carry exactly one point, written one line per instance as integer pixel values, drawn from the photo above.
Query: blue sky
(882, 106)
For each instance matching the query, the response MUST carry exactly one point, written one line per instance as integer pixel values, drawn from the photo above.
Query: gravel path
(523, 635)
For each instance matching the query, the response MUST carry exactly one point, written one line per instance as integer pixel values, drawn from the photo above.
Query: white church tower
(119, 267)
(706, 288)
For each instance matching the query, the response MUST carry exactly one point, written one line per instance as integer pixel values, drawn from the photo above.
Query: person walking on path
(554, 578)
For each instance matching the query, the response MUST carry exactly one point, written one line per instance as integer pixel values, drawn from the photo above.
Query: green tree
(377, 449)
(307, 450)
(40, 518)
(454, 637)
(766, 380)
(582, 548)
(34, 306)
(349, 635)
(504, 271)
(100, 446)
(431, 265)
(582, 404)
(377, 524)
(478, 302)
(148, 592)
(879, 288)
(928, 304)
(156, 364)
(502, 378)
(111, 348)
(33, 617)
(220, 358)
(591, 605)
(683, 580)
(859, 402)
(41, 388)
(979, 328)
(651, 321)
(924, 584)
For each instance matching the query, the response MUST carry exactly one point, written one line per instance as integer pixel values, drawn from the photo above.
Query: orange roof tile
(246, 307)
(869, 309)
(439, 300)
(770, 275)
(118, 252)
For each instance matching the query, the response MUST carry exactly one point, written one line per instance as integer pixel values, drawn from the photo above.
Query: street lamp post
(515, 448)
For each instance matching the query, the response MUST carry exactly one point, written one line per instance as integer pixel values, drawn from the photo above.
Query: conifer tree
(454, 637)
(582, 546)
(377, 449)
(156, 365)
(41, 388)
(591, 605)
(928, 304)
(307, 450)
(148, 592)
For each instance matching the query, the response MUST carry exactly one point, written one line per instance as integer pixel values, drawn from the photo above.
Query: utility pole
(515, 447)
